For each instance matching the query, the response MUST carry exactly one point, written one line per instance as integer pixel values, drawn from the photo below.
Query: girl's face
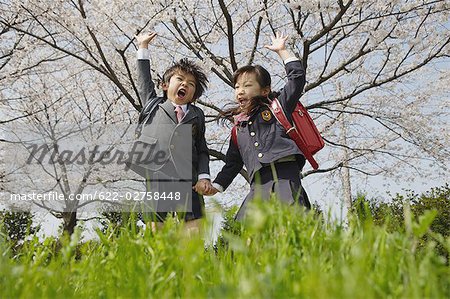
(246, 88)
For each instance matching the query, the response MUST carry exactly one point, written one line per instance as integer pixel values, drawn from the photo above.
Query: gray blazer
(262, 140)
(164, 133)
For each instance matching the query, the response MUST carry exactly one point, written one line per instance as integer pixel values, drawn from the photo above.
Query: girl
(273, 161)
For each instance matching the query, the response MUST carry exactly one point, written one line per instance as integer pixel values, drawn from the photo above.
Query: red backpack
(304, 132)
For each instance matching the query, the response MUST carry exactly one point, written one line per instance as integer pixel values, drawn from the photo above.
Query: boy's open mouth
(181, 93)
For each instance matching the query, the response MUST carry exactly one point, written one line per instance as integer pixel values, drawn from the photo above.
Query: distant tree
(111, 221)
(17, 225)
(392, 213)
(229, 226)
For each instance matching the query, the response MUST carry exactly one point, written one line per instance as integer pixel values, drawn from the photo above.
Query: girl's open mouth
(242, 102)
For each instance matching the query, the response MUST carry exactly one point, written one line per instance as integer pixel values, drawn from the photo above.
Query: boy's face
(246, 88)
(180, 88)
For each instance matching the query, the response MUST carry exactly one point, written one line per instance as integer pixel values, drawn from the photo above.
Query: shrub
(392, 214)
(16, 226)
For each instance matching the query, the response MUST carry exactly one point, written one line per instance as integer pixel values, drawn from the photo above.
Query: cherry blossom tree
(377, 71)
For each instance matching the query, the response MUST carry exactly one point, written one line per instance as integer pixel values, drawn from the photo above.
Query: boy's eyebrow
(183, 76)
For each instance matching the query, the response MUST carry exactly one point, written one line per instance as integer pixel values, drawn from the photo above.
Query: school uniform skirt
(282, 179)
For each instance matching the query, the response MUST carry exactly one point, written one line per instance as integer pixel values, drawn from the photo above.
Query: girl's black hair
(262, 75)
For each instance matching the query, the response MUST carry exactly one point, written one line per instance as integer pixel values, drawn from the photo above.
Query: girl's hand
(212, 191)
(278, 42)
(144, 39)
(203, 186)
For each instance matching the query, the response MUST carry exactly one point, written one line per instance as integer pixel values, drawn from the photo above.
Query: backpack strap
(291, 131)
(234, 136)
(278, 112)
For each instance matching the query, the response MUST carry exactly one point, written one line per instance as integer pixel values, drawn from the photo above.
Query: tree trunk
(345, 172)
(70, 221)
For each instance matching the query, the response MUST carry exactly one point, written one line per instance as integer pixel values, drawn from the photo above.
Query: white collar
(184, 107)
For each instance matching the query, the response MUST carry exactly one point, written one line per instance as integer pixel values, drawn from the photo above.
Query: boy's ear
(164, 86)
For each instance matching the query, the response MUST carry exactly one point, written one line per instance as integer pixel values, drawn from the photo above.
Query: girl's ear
(265, 91)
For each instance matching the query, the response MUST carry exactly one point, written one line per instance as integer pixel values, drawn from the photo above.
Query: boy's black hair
(189, 67)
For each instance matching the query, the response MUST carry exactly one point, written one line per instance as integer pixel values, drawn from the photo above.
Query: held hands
(205, 187)
(144, 39)
(211, 192)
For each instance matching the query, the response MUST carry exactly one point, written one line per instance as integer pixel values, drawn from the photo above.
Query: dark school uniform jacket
(262, 140)
(164, 133)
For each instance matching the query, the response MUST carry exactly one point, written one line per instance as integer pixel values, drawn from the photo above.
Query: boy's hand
(279, 46)
(144, 39)
(203, 186)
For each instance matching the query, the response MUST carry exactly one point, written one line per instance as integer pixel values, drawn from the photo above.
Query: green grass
(282, 252)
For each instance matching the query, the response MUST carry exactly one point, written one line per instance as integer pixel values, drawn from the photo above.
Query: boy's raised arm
(144, 39)
(146, 87)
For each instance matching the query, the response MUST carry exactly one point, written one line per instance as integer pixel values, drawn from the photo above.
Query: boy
(182, 84)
